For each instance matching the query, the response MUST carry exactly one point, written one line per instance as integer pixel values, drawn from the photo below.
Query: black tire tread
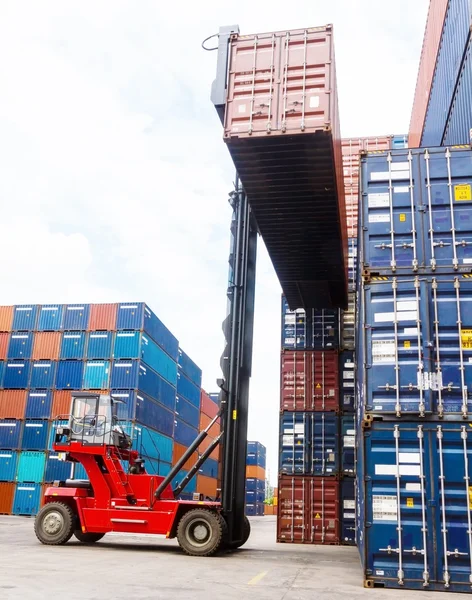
(89, 537)
(219, 532)
(71, 527)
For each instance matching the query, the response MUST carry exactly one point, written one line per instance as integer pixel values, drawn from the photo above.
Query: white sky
(114, 176)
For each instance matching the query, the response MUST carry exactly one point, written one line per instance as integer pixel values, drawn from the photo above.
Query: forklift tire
(246, 534)
(89, 537)
(200, 532)
(55, 523)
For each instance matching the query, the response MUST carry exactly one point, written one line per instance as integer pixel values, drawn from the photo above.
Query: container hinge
(414, 551)
(440, 244)
(390, 550)
(405, 245)
(456, 553)
(384, 246)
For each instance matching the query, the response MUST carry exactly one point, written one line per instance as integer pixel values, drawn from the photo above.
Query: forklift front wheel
(89, 537)
(200, 532)
(55, 524)
(246, 534)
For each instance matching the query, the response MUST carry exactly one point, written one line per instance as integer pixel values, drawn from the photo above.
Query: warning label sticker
(410, 502)
(463, 193)
(466, 339)
(384, 508)
(383, 351)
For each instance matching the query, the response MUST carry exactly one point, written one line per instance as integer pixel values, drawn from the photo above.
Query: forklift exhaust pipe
(190, 450)
(197, 466)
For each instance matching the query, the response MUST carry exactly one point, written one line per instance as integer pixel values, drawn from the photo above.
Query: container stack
(414, 369)
(255, 479)
(48, 351)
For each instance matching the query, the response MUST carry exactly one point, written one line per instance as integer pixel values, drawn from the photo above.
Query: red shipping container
(308, 510)
(61, 400)
(103, 317)
(309, 380)
(206, 444)
(4, 338)
(429, 53)
(12, 404)
(47, 345)
(6, 318)
(207, 406)
(281, 115)
(214, 432)
(7, 493)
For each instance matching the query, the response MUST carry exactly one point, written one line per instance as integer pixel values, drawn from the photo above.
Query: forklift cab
(93, 420)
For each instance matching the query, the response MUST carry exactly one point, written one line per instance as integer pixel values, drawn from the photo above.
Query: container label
(402, 217)
(349, 441)
(242, 108)
(467, 261)
(404, 315)
(413, 487)
(401, 189)
(384, 508)
(349, 515)
(380, 218)
(410, 331)
(314, 101)
(413, 470)
(383, 351)
(378, 200)
(466, 339)
(349, 504)
(381, 573)
(348, 374)
(407, 344)
(394, 175)
(409, 457)
(410, 503)
(462, 193)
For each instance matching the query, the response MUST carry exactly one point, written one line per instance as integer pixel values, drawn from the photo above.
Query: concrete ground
(125, 567)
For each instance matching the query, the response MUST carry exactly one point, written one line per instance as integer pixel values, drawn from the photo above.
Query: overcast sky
(114, 176)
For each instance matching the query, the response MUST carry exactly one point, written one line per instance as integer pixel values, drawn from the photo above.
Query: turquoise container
(96, 375)
(31, 467)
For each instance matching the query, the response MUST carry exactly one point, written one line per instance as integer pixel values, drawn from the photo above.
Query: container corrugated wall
(12, 404)
(46, 345)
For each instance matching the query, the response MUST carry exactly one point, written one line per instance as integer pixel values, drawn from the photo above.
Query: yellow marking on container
(467, 276)
(470, 496)
(235, 415)
(318, 385)
(407, 344)
(402, 217)
(379, 278)
(317, 516)
(410, 502)
(257, 578)
(466, 339)
(463, 193)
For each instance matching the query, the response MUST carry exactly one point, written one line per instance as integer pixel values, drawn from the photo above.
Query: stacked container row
(413, 381)
(256, 459)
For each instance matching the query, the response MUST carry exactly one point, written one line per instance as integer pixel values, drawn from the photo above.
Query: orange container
(7, 493)
(103, 317)
(268, 509)
(207, 406)
(12, 404)
(178, 452)
(206, 443)
(205, 421)
(4, 339)
(252, 471)
(276, 492)
(6, 318)
(207, 486)
(61, 400)
(47, 345)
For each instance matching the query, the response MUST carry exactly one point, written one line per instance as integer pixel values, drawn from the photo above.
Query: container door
(397, 469)
(451, 447)
(392, 240)
(451, 343)
(323, 436)
(322, 510)
(295, 384)
(393, 339)
(447, 176)
(291, 521)
(294, 443)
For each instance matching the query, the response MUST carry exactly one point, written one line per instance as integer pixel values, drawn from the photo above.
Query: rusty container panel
(4, 339)
(12, 404)
(207, 486)
(255, 472)
(429, 53)
(61, 403)
(47, 345)
(6, 318)
(207, 406)
(103, 317)
(177, 454)
(214, 431)
(309, 380)
(282, 130)
(308, 510)
(7, 493)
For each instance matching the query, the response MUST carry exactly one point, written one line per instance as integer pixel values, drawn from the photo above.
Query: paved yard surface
(123, 567)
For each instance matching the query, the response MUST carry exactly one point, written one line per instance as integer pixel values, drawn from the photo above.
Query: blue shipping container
(8, 462)
(24, 317)
(188, 390)
(56, 469)
(187, 412)
(348, 446)
(10, 432)
(346, 380)
(459, 122)
(256, 497)
(38, 405)
(157, 467)
(31, 467)
(318, 331)
(309, 443)
(151, 444)
(352, 263)
(416, 211)
(43, 374)
(255, 485)
(96, 375)
(133, 374)
(50, 317)
(209, 468)
(52, 432)
(415, 347)
(35, 435)
(183, 433)
(2, 371)
(348, 514)
(254, 510)
(76, 317)
(215, 397)
(139, 316)
(17, 374)
(399, 141)
(191, 486)
(99, 344)
(141, 408)
(27, 499)
(453, 43)
(69, 375)
(21, 345)
(189, 368)
(127, 345)
(414, 507)
(73, 345)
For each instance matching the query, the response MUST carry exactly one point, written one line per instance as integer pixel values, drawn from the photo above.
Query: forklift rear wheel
(246, 534)
(55, 524)
(89, 537)
(200, 532)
